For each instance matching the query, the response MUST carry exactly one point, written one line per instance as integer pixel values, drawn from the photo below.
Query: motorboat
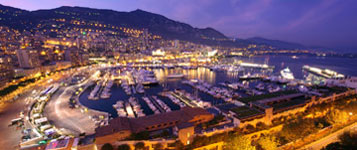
(287, 74)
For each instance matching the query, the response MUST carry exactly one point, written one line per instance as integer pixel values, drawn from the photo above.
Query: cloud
(314, 15)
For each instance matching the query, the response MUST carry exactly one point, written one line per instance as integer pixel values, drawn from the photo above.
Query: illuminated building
(76, 56)
(6, 70)
(158, 52)
(28, 58)
(122, 127)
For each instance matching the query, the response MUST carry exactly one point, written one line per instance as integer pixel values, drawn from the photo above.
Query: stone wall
(269, 115)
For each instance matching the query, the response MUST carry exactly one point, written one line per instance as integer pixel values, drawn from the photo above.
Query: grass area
(265, 96)
(244, 111)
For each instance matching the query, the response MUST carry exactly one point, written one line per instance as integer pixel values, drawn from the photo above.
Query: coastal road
(73, 120)
(328, 139)
(10, 137)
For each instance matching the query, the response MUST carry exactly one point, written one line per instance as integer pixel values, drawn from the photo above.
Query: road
(74, 121)
(11, 136)
(328, 139)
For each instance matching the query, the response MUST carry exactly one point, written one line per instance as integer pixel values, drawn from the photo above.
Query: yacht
(162, 104)
(175, 76)
(260, 87)
(151, 105)
(140, 88)
(287, 74)
(273, 89)
(94, 92)
(129, 110)
(326, 73)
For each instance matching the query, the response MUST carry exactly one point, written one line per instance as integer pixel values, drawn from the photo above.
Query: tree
(261, 126)
(348, 139)
(158, 146)
(336, 116)
(249, 128)
(139, 146)
(124, 147)
(298, 129)
(107, 146)
(144, 135)
(268, 143)
(333, 146)
(238, 142)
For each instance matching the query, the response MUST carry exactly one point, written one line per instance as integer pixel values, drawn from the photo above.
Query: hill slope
(157, 24)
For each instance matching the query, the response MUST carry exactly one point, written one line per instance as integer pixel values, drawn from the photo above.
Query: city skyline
(183, 75)
(312, 23)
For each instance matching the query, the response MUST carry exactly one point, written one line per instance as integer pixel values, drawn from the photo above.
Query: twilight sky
(329, 23)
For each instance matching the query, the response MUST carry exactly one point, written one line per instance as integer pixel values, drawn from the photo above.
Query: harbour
(163, 89)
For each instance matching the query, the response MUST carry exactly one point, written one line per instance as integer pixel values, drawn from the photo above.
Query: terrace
(327, 91)
(266, 96)
(245, 112)
(240, 111)
(295, 102)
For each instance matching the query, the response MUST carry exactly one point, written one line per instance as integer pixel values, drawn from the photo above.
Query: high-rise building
(76, 56)
(28, 58)
(145, 39)
(6, 70)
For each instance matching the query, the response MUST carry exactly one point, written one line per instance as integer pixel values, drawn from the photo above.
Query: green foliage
(298, 129)
(12, 88)
(268, 143)
(124, 147)
(199, 141)
(348, 139)
(238, 142)
(139, 146)
(249, 128)
(158, 146)
(145, 135)
(107, 146)
(261, 126)
(336, 116)
(333, 146)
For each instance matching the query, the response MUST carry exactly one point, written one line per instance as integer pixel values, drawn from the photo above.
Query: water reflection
(201, 73)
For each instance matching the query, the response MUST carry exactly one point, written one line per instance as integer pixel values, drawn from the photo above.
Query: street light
(350, 113)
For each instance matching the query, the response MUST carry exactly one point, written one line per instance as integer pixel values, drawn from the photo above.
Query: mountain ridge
(155, 23)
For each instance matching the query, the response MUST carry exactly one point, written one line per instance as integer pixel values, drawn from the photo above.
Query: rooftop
(140, 124)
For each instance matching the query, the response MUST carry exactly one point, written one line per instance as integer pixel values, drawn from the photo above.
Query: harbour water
(340, 65)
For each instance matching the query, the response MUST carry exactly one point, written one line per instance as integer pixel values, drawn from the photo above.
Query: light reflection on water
(345, 66)
(200, 73)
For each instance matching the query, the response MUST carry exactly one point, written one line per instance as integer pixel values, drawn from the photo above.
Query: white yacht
(287, 74)
(175, 76)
